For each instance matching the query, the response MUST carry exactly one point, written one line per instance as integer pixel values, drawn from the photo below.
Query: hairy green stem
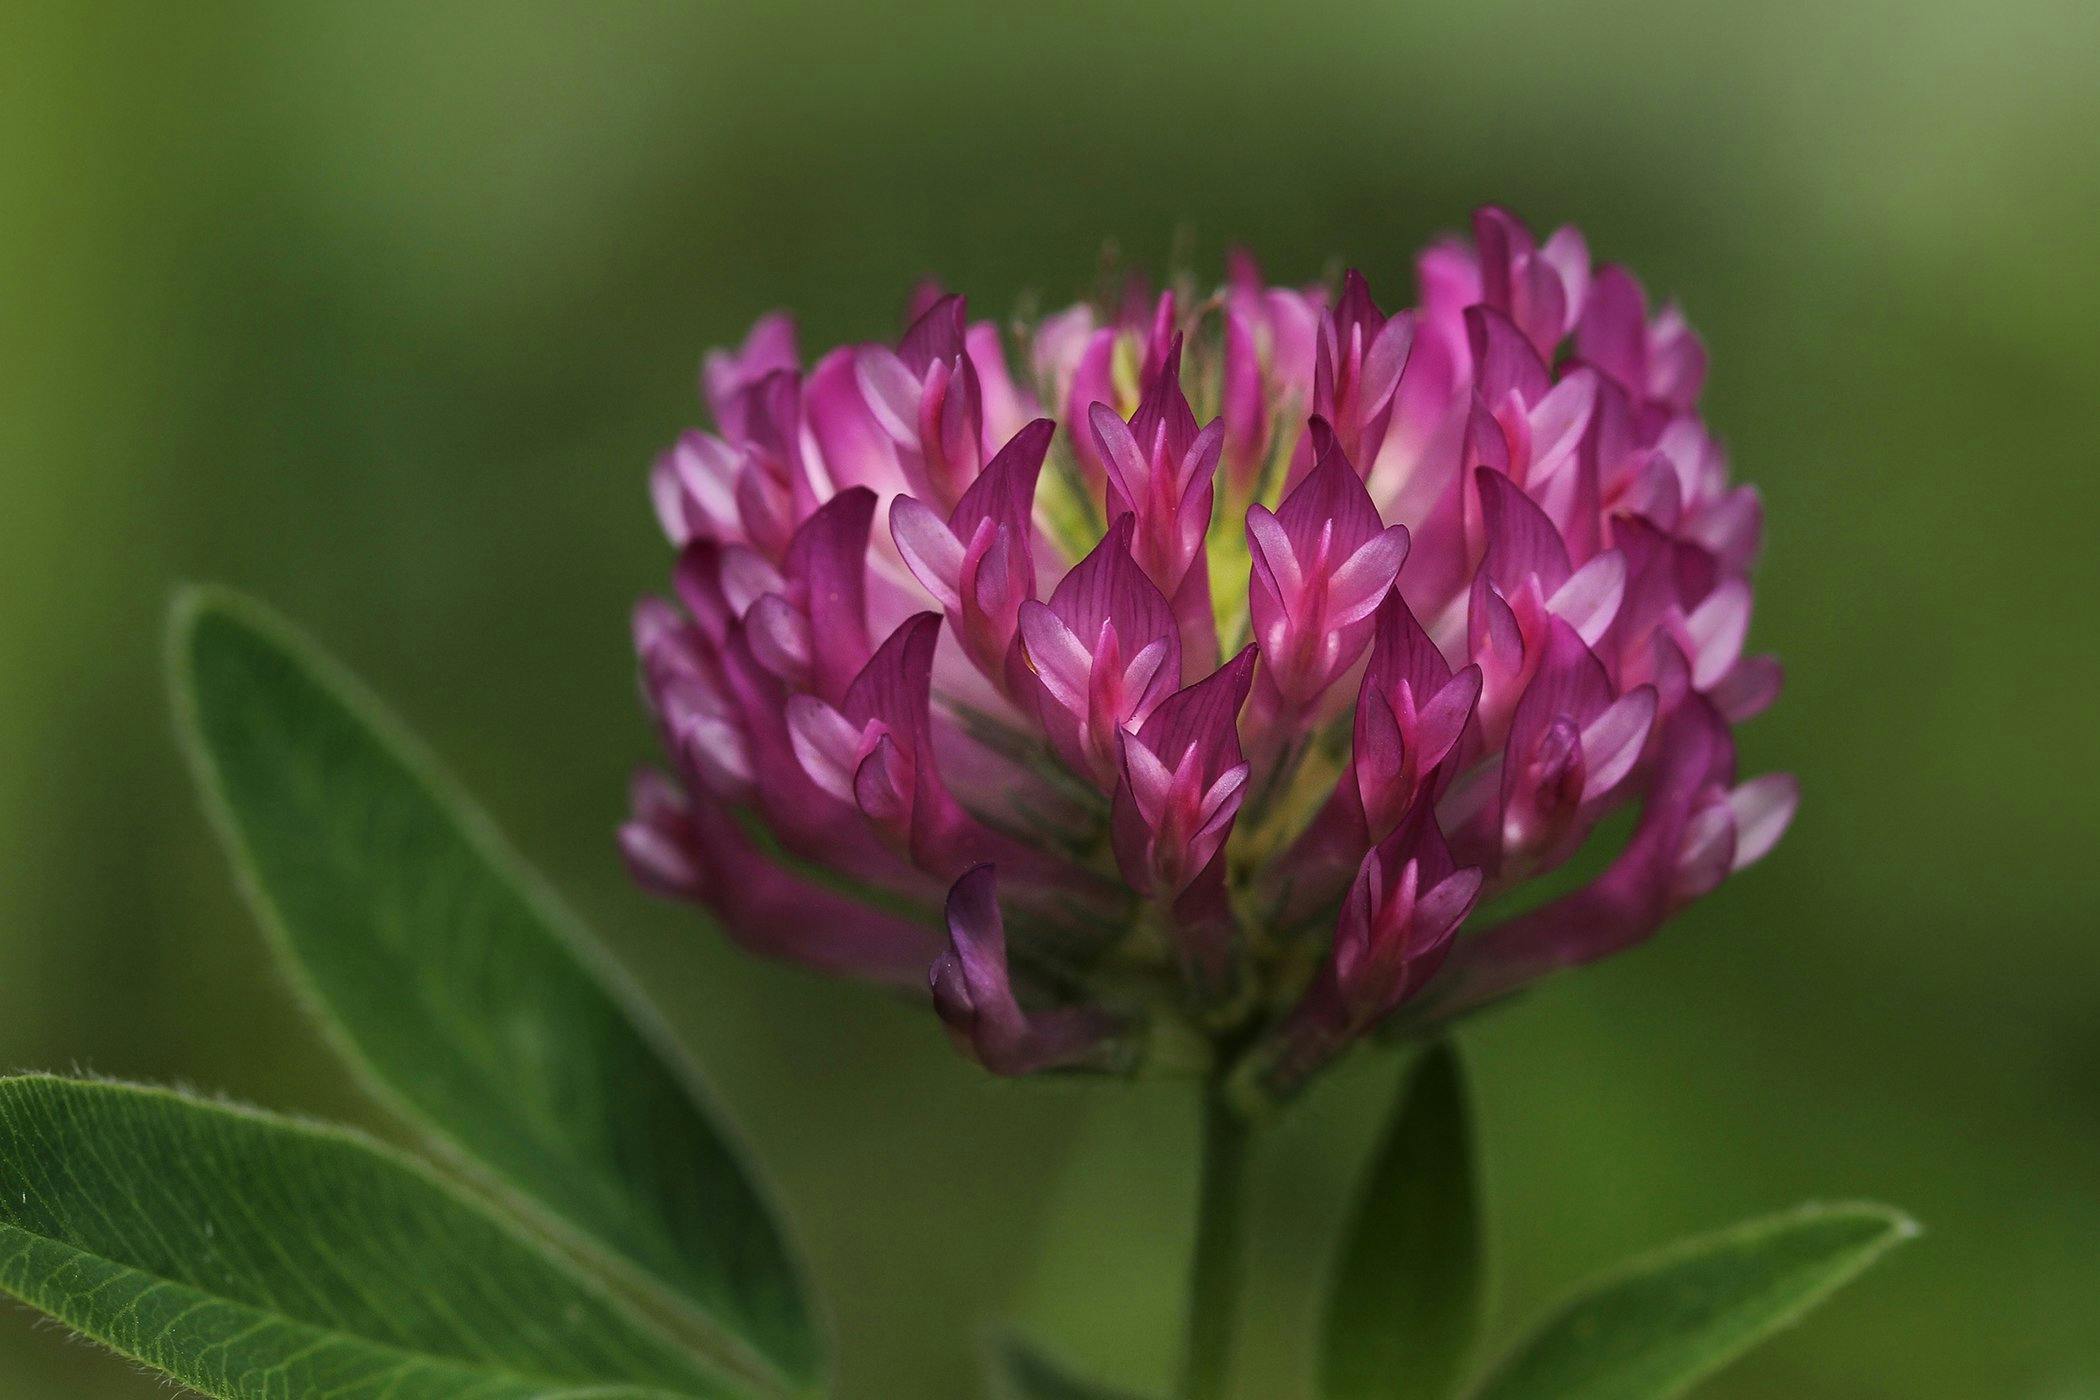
(1214, 1273)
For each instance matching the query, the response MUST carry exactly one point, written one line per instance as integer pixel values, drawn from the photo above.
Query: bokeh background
(380, 310)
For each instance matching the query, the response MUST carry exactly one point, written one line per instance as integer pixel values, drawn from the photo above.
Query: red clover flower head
(1216, 667)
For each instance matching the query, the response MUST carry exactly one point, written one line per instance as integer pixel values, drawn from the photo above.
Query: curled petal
(1522, 541)
(1718, 628)
(827, 744)
(1590, 599)
(1612, 742)
(891, 392)
(931, 551)
(1749, 690)
(1165, 824)
(1762, 808)
(1366, 576)
(973, 991)
(698, 852)
(1060, 660)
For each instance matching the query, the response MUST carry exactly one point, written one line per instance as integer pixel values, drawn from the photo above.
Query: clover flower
(1192, 692)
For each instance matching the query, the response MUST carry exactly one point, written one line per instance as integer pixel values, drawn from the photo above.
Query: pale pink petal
(1274, 550)
(826, 743)
(1763, 808)
(930, 550)
(1718, 628)
(1357, 587)
(891, 391)
(1612, 742)
(1062, 663)
(1590, 599)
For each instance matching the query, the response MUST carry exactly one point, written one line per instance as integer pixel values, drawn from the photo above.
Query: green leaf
(1403, 1310)
(465, 997)
(1666, 1321)
(1024, 1372)
(251, 1256)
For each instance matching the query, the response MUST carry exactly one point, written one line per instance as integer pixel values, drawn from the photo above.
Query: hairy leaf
(1666, 1321)
(466, 998)
(1404, 1306)
(255, 1258)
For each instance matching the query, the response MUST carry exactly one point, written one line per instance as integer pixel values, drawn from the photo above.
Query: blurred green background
(381, 310)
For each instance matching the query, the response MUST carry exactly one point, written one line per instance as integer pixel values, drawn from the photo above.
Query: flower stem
(1214, 1274)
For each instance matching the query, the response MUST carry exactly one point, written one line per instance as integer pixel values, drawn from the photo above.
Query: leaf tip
(1864, 1212)
(1882, 1227)
(194, 610)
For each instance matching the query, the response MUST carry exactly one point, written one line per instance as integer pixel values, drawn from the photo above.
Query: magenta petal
(1394, 933)
(994, 529)
(1401, 652)
(1676, 361)
(973, 992)
(1521, 540)
(827, 561)
(1763, 808)
(1004, 492)
(1108, 588)
(1243, 403)
(1663, 573)
(936, 337)
(929, 549)
(1717, 629)
(1612, 333)
(1501, 238)
(1749, 690)
(1163, 420)
(1570, 681)
(1006, 408)
(1633, 896)
(1191, 738)
(1613, 741)
(894, 685)
(1309, 607)
(1732, 527)
(698, 852)
(1504, 361)
(1410, 714)
(726, 375)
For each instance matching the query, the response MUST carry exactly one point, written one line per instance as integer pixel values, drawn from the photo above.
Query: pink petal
(1504, 360)
(1763, 809)
(1521, 539)
(1749, 690)
(1590, 599)
(826, 744)
(779, 638)
(1612, 742)
(930, 550)
(1356, 588)
(1613, 331)
(1272, 551)
(1120, 453)
(890, 390)
(1062, 663)
(1447, 904)
(1151, 781)
(1569, 256)
(1718, 628)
